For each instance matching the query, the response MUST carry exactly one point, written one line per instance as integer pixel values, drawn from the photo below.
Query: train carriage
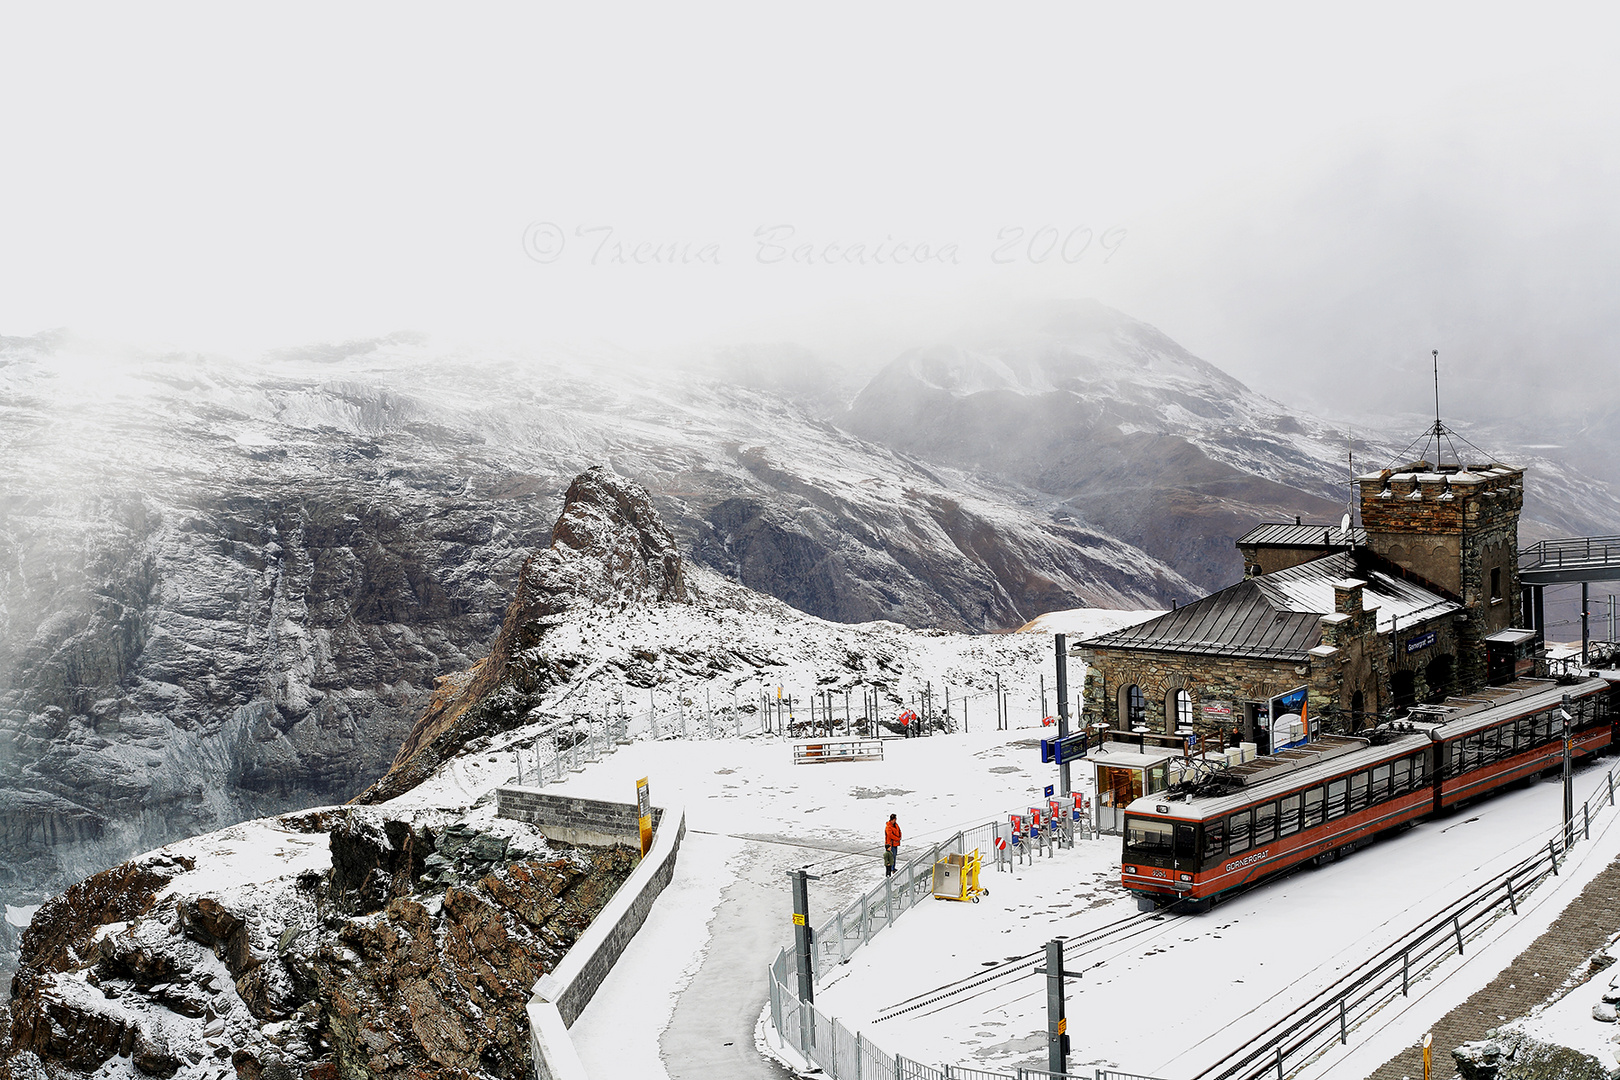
(1197, 842)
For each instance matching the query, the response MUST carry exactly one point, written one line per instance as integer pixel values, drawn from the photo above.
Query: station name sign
(1421, 641)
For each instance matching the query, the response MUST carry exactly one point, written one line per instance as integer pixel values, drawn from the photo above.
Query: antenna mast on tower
(1439, 433)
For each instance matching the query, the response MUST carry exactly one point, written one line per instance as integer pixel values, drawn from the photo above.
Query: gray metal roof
(1272, 534)
(1278, 616)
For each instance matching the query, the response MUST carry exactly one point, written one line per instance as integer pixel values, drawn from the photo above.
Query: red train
(1338, 793)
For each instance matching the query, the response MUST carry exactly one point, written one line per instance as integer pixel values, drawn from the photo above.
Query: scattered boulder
(1511, 1055)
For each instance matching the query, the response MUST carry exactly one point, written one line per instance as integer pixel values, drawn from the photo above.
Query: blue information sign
(1048, 791)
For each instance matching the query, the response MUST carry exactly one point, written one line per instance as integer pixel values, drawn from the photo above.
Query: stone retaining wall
(562, 994)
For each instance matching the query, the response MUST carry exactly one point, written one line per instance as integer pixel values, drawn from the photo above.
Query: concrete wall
(562, 994)
(572, 820)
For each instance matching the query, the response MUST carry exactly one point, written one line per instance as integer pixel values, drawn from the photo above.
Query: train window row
(1258, 825)
(1516, 737)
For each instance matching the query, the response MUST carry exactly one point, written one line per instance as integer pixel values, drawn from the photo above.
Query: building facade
(1406, 609)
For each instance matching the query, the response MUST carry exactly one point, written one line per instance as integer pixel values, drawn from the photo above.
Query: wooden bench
(816, 751)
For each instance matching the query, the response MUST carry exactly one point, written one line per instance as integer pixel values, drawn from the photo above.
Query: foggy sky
(1311, 199)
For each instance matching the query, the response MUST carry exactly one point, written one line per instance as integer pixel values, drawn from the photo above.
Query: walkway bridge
(1575, 558)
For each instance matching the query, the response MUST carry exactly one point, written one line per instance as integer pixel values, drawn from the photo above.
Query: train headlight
(1185, 877)
(1129, 869)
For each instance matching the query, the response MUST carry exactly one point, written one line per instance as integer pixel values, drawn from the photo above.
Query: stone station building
(1419, 602)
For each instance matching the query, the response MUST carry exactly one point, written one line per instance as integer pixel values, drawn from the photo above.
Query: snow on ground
(1403, 1023)
(1250, 959)
(752, 815)
(714, 661)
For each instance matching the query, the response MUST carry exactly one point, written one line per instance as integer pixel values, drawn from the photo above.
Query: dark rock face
(1511, 1055)
(609, 547)
(339, 975)
(225, 659)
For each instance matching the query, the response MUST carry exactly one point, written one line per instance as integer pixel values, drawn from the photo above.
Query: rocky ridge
(610, 550)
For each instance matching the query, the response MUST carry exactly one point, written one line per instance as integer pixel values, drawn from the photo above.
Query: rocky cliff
(339, 943)
(609, 549)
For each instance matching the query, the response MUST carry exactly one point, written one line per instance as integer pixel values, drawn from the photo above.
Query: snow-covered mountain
(226, 589)
(406, 937)
(1138, 437)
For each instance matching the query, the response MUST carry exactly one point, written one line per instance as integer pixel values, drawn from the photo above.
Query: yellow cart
(956, 877)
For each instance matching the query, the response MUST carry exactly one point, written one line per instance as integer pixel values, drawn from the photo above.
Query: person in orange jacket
(891, 845)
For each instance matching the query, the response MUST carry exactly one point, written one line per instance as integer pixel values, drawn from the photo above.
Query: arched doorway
(1403, 688)
(1439, 675)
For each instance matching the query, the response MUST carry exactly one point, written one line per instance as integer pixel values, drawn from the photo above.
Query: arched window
(1133, 710)
(1177, 711)
(1496, 583)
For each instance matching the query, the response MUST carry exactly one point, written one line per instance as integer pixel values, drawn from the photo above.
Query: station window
(1496, 583)
(1183, 703)
(1135, 706)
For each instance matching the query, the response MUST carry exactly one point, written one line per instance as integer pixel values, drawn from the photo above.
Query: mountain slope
(1142, 439)
(226, 589)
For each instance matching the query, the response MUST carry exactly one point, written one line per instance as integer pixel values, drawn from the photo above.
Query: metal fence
(825, 1042)
(583, 748)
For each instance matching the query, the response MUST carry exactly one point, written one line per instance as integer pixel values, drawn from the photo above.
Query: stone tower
(1456, 527)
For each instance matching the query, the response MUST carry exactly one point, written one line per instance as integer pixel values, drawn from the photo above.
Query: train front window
(1145, 836)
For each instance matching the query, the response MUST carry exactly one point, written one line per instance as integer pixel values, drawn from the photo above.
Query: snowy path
(693, 979)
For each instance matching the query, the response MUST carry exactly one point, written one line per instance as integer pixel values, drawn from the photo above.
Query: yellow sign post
(1428, 1042)
(644, 809)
